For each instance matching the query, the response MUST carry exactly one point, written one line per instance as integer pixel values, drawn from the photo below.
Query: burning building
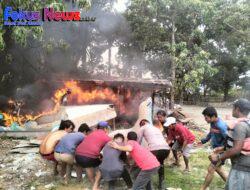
(90, 101)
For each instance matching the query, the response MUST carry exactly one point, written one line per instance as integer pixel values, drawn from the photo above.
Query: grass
(175, 177)
(199, 162)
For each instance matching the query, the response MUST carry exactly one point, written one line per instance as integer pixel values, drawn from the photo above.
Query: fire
(77, 96)
(80, 96)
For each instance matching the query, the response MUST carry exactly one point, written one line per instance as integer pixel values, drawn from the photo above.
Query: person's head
(210, 114)
(241, 108)
(170, 122)
(161, 115)
(84, 128)
(132, 136)
(67, 125)
(157, 123)
(119, 138)
(143, 122)
(104, 126)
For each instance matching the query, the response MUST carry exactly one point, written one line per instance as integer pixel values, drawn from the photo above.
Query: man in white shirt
(156, 144)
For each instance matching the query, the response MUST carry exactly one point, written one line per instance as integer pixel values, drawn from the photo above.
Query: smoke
(70, 50)
(40, 68)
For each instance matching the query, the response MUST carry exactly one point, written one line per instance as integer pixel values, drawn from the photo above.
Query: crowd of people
(141, 154)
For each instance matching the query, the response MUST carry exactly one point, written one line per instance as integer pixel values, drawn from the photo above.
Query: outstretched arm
(126, 148)
(206, 139)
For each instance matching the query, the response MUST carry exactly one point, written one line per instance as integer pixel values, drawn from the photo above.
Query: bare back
(50, 141)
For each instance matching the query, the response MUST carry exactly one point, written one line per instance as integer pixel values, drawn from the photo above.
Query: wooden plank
(25, 146)
(24, 150)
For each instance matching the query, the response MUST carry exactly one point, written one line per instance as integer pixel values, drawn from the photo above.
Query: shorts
(186, 151)
(87, 162)
(238, 180)
(218, 164)
(65, 158)
(49, 157)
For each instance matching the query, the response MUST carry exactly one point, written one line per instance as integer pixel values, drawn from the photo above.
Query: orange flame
(80, 96)
(77, 96)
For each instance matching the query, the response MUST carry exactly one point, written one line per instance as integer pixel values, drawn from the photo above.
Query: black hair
(84, 128)
(162, 113)
(119, 135)
(243, 105)
(132, 136)
(143, 121)
(65, 124)
(210, 112)
(100, 127)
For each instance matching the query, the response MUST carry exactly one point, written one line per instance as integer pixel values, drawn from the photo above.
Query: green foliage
(152, 33)
(227, 32)
(210, 41)
(84, 4)
(20, 34)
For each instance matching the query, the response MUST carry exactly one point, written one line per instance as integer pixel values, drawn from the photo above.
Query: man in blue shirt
(217, 136)
(65, 150)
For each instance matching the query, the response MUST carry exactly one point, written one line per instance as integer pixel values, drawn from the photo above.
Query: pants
(126, 177)
(49, 157)
(144, 179)
(67, 160)
(161, 155)
(239, 180)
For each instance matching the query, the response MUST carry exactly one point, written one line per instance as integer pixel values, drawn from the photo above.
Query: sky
(120, 5)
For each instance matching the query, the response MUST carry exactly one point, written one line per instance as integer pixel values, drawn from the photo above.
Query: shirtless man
(50, 141)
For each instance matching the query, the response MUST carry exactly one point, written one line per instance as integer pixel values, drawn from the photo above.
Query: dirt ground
(195, 112)
(31, 172)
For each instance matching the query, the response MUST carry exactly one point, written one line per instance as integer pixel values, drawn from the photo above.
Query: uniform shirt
(69, 143)
(93, 144)
(144, 159)
(180, 133)
(154, 138)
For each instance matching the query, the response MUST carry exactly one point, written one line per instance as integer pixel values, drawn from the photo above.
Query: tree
(226, 26)
(168, 35)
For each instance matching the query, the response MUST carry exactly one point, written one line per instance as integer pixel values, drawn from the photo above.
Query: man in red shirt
(183, 138)
(144, 159)
(88, 151)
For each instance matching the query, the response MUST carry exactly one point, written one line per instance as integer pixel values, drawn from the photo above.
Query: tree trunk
(173, 66)
(181, 97)
(109, 63)
(225, 91)
(109, 58)
(205, 92)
